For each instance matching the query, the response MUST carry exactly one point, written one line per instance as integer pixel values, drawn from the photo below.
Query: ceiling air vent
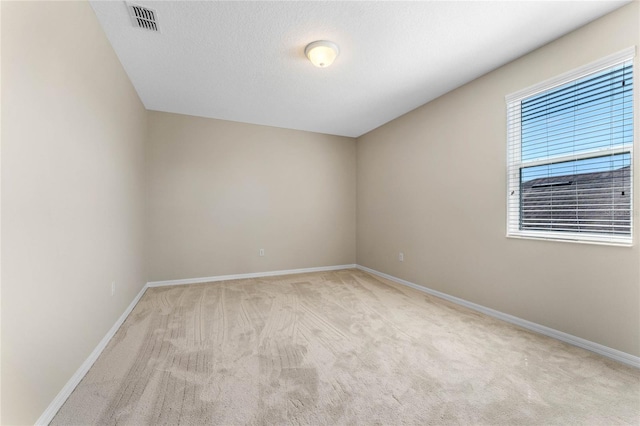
(143, 17)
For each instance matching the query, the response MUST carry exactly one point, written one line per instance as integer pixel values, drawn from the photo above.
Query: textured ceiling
(244, 61)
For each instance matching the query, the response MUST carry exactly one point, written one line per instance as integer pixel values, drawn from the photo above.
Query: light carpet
(342, 347)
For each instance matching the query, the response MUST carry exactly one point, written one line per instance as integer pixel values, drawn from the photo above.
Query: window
(570, 155)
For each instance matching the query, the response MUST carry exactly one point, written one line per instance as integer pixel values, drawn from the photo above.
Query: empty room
(301, 212)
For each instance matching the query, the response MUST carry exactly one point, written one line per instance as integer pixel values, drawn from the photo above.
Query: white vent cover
(143, 17)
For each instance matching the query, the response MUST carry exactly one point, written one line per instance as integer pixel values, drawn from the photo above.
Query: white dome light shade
(322, 53)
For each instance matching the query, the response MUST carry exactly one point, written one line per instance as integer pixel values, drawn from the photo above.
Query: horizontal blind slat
(579, 91)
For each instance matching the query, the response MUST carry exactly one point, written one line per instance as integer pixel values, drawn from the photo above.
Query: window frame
(515, 163)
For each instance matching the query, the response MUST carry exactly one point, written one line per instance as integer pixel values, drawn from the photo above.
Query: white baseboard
(250, 275)
(62, 396)
(606, 351)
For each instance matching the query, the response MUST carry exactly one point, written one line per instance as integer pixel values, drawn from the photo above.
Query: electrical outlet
(401, 257)
(113, 288)
(261, 252)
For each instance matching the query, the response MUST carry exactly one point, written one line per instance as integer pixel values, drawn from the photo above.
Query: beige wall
(432, 185)
(73, 131)
(219, 191)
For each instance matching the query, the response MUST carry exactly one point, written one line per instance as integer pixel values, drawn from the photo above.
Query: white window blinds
(570, 155)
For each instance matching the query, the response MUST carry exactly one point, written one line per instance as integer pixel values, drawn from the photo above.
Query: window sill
(572, 238)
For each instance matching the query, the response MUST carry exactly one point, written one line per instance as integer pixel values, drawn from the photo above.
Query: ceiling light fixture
(322, 53)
